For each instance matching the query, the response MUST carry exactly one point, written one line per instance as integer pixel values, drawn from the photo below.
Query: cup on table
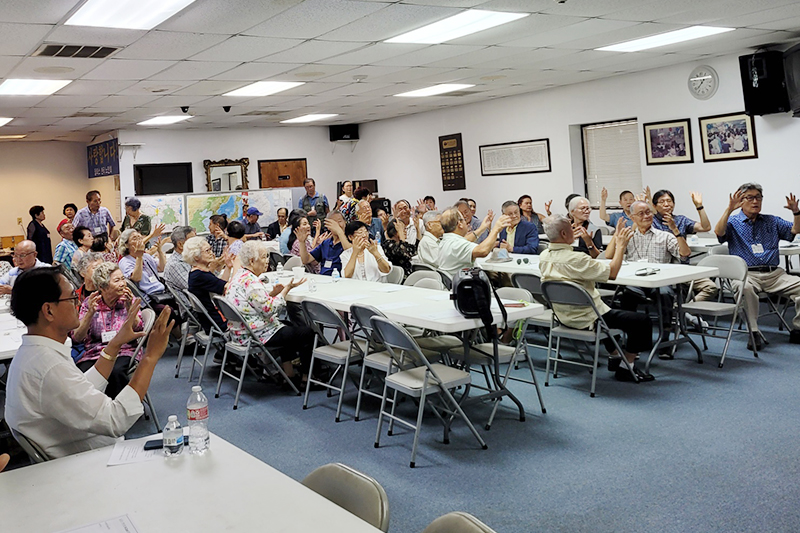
(298, 272)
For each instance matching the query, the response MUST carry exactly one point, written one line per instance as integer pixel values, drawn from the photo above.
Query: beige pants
(704, 289)
(775, 282)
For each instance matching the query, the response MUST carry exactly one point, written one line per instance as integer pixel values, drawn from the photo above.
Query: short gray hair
(508, 204)
(751, 186)
(179, 234)
(193, 249)
(429, 216)
(251, 251)
(633, 205)
(102, 274)
(554, 225)
(123, 241)
(87, 259)
(575, 201)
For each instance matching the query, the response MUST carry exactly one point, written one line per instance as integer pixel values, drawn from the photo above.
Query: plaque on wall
(524, 157)
(451, 155)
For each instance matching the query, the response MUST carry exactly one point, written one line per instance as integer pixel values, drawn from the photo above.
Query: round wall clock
(703, 82)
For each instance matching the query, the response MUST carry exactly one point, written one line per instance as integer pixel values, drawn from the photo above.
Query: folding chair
(457, 522)
(731, 268)
(293, 261)
(252, 345)
(353, 491)
(68, 273)
(201, 338)
(274, 259)
(423, 382)
(428, 283)
(190, 326)
(446, 280)
(544, 321)
(148, 319)
(420, 267)
(569, 293)
(482, 354)
(395, 276)
(33, 450)
(137, 293)
(417, 275)
(341, 354)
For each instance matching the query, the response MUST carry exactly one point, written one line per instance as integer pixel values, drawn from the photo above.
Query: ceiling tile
(7, 63)
(518, 29)
(195, 70)
(734, 40)
(169, 45)
(786, 24)
(759, 18)
(58, 100)
(16, 102)
(479, 56)
(46, 112)
(368, 71)
(73, 122)
(94, 36)
(409, 74)
(538, 58)
(40, 11)
(447, 3)
(210, 88)
(312, 51)
(125, 101)
(127, 69)
(355, 89)
(315, 71)
(21, 39)
(375, 53)
(313, 18)
(255, 72)
(431, 54)
(244, 48)
(32, 122)
(585, 28)
(226, 16)
(155, 87)
(105, 87)
(392, 21)
(710, 10)
(28, 67)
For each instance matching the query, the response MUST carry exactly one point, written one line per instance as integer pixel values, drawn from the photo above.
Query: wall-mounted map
(200, 207)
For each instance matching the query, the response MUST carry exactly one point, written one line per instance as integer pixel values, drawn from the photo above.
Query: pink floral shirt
(106, 319)
(313, 266)
(250, 296)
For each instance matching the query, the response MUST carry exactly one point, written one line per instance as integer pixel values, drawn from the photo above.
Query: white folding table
(225, 489)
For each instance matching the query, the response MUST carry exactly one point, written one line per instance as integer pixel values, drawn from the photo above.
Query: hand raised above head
(159, 334)
(547, 207)
(791, 203)
(604, 194)
(697, 199)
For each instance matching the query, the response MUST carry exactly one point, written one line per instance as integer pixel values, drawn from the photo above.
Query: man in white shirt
(24, 259)
(48, 399)
(455, 251)
(428, 247)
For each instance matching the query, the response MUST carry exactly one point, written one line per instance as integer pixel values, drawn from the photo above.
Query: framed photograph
(668, 142)
(523, 157)
(727, 137)
(216, 184)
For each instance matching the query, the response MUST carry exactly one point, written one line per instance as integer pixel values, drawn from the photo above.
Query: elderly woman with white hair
(590, 239)
(138, 266)
(261, 308)
(199, 254)
(102, 315)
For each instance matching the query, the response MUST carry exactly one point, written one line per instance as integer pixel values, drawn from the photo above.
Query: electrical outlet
(19, 220)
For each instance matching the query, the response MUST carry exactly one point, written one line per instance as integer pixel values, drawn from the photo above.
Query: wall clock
(703, 82)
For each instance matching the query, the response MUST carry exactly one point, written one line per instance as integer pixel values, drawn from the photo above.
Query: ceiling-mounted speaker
(763, 83)
(343, 132)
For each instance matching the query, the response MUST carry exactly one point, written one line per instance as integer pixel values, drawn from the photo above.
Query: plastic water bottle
(279, 269)
(197, 414)
(173, 437)
(335, 275)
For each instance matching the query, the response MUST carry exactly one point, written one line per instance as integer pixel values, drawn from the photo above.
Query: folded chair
(457, 522)
(148, 319)
(189, 326)
(201, 338)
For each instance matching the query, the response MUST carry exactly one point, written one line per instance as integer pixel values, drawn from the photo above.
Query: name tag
(328, 264)
(757, 248)
(98, 229)
(107, 336)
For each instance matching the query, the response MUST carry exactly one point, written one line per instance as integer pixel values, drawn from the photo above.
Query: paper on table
(119, 524)
(389, 287)
(446, 313)
(132, 451)
(349, 297)
(394, 305)
(439, 296)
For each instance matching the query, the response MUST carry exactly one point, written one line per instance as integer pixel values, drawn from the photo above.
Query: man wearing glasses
(754, 237)
(455, 251)
(521, 237)
(24, 259)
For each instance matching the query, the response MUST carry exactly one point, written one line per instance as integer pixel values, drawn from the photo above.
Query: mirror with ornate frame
(227, 174)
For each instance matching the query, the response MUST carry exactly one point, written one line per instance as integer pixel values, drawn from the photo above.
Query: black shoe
(614, 363)
(624, 375)
(759, 341)
(666, 354)
(794, 336)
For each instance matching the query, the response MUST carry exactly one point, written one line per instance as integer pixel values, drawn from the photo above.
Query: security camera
(185, 108)
(226, 108)
(561, 1)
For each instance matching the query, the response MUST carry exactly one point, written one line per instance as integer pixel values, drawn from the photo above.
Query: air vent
(93, 115)
(75, 50)
(262, 113)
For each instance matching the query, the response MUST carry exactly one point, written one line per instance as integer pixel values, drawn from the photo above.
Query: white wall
(403, 153)
(175, 146)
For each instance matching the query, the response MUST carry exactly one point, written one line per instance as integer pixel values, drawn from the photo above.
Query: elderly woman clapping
(102, 315)
(262, 307)
(202, 280)
(138, 266)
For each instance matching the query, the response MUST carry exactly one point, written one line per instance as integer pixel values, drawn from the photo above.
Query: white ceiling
(215, 46)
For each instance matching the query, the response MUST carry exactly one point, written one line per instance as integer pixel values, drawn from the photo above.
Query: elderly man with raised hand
(561, 263)
(374, 225)
(428, 247)
(754, 237)
(590, 239)
(252, 229)
(313, 203)
(66, 248)
(521, 237)
(24, 260)
(402, 212)
(455, 251)
(328, 252)
(477, 230)
(51, 401)
(176, 271)
(95, 217)
(139, 266)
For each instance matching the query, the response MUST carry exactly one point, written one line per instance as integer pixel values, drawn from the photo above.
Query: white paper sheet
(132, 451)
(119, 524)
(395, 305)
(349, 298)
(439, 296)
(388, 287)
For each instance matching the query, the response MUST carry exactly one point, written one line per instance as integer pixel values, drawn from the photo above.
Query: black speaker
(763, 83)
(343, 132)
(381, 203)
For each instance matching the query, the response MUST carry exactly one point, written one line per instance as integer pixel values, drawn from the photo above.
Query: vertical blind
(611, 160)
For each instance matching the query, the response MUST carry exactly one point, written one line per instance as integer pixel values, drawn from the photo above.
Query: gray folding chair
(395, 276)
(293, 261)
(425, 382)
(33, 450)
(428, 283)
(569, 293)
(253, 345)
(448, 282)
(137, 293)
(148, 319)
(201, 338)
(341, 354)
(731, 268)
(417, 267)
(274, 259)
(353, 491)
(457, 522)
(482, 354)
(190, 325)
(417, 275)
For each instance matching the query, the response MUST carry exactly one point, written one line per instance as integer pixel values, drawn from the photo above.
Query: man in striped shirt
(66, 248)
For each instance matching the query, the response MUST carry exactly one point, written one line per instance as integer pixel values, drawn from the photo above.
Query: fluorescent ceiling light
(164, 120)
(8, 137)
(264, 88)
(437, 89)
(465, 23)
(309, 118)
(126, 14)
(663, 39)
(32, 87)
(4, 121)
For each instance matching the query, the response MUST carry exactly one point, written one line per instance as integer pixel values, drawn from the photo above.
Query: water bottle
(173, 437)
(335, 275)
(279, 269)
(197, 414)
(312, 285)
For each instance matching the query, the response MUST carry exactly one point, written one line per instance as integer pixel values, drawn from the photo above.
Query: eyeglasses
(756, 198)
(642, 214)
(75, 299)
(23, 255)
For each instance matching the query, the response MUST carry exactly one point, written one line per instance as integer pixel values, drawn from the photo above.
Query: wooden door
(282, 173)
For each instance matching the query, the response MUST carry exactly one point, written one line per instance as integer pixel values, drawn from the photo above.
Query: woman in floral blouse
(397, 250)
(102, 315)
(262, 307)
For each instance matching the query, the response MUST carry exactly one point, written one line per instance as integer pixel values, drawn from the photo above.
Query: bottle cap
(172, 418)
(197, 388)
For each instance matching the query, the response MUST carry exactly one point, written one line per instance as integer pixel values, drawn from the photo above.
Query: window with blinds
(611, 160)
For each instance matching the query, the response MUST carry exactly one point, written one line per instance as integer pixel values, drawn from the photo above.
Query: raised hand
(127, 297)
(579, 231)
(421, 207)
(735, 200)
(126, 333)
(93, 300)
(359, 244)
(302, 233)
(159, 335)
(604, 194)
(384, 219)
(317, 226)
(547, 207)
(158, 230)
(648, 197)
(697, 199)
(791, 203)
(487, 220)
(623, 236)
(371, 245)
(293, 284)
(502, 222)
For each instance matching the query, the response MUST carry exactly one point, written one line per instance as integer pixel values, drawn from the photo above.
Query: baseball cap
(254, 211)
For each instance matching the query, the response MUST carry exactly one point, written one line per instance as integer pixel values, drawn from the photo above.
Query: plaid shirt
(653, 246)
(96, 222)
(684, 224)
(176, 272)
(217, 245)
(64, 252)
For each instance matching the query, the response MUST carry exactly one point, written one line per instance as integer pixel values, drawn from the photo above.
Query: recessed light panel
(126, 14)
(664, 39)
(164, 120)
(309, 118)
(265, 88)
(465, 23)
(436, 89)
(4, 121)
(32, 87)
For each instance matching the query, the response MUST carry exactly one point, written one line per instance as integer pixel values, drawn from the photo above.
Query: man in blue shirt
(328, 252)
(754, 237)
(252, 229)
(24, 260)
(626, 198)
(66, 248)
(95, 217)
(313, 203)
(521, 237)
